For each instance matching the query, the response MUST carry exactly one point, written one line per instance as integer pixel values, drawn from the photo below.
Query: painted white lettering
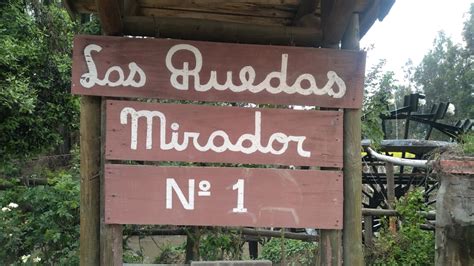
(240, 196)
(247, 143)
(91, 78)
(180, 78)
(171, 185)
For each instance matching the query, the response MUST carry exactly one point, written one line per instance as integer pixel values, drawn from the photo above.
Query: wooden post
(330, 251)
(352, 234)
(331, 248)
(192, 244)
(111, 235)
(368, 228)
(391, 195)
(90, 180)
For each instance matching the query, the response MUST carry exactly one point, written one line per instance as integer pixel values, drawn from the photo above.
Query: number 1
(240, 196)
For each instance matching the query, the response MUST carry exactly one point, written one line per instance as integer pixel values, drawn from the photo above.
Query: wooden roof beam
(218, 31)
(335, 16)
(110, 16)
(306, 7)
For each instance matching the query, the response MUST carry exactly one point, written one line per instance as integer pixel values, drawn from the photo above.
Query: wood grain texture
(272, 197)
(244, 8)
(90, 181)
(110, 16)
(352, 236)
(215, 16)
(322, 129)
(219, 31)
(150, 54)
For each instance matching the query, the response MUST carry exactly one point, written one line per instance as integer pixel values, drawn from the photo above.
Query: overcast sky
(409, 29)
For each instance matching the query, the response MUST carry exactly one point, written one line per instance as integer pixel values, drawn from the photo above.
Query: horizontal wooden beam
(245, 231)
(207, 30)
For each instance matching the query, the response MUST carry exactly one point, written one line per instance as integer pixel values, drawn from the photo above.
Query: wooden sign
(204, 71)
(223, 196)
(197, 133)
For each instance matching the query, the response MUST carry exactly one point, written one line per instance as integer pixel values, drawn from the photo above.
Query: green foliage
(35, 103)
(446, 74)
(171, 255)
(410, 245)
(295, 252)
(378, 88)
(45, 224)
(467, 143)
(216, 244)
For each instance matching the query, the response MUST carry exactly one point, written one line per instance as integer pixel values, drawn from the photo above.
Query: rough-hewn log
(331, 248)
(110, 17)
(368, 231)
(306, 7)
(335, 17)
(378, 212)
(207, 30)
(244, 231)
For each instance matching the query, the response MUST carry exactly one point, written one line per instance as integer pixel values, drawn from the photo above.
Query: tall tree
(35, 104)
(446, 72)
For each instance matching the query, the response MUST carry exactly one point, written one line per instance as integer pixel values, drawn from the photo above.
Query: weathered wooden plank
(178, 195)
(217, 71)
(214, 16)
(88, 6)
(195, 133)
(111, 237)
(244, 8)
(219, 31)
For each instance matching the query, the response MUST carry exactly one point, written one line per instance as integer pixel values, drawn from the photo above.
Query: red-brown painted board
(226, 134)
(94, 56)
(270, 197)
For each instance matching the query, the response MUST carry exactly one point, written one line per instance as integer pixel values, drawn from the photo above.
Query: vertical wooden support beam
(90, 180)
(110, 15)
(352, 234)
(391, 195)
(111, 235)
(331, 247)
(192, 244)
(368, 231)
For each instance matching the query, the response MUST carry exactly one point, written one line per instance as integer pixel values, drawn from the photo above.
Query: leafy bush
(218, 245)
(171, 255)
(467, 142)
(41, 222)
(296, 252)
(410, 245)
